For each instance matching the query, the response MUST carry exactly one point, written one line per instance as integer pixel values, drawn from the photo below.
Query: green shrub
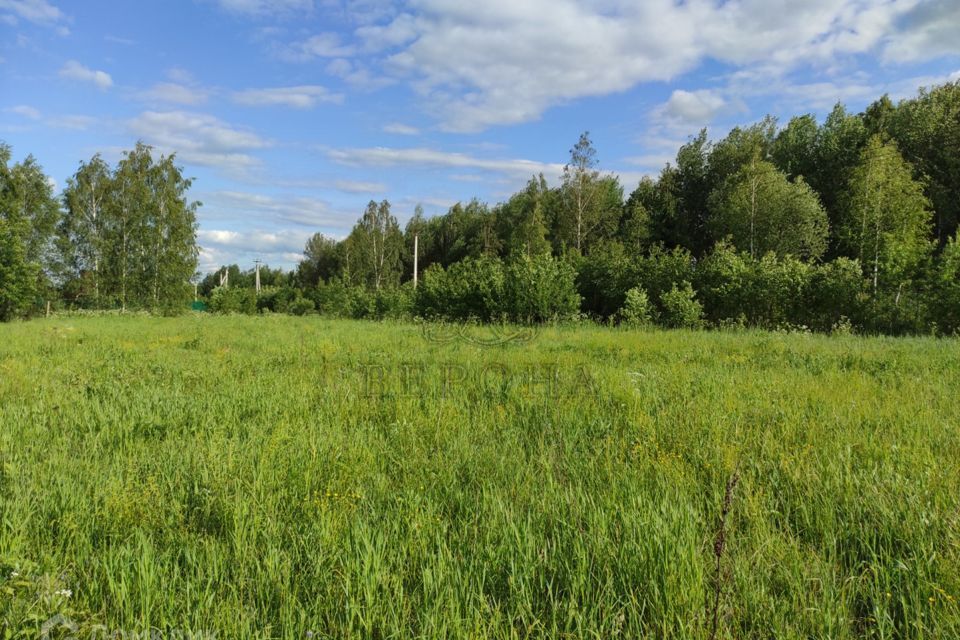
(723, 282)
(394, 303)
(276, 299)
(540, 288)
(233, 300)
(603, 278)
(301, 306)
(777, 290)
(661, 270)
(681, 309)
(470, 289)
(636, 310)
(835, 293)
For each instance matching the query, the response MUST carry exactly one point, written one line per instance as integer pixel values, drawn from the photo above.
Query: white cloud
(400, 31)
(358, 186)
(35, 11)
(693, 108)
(930, 30)
(510, 172)
(300, 97)
(506, 62)
(358, 74)
(25, 111)
(390, 157)
(199, 139)
(76, 71)
(300, 210)
(175, 93)
(321, 45)
(225, 246)
(401, 129)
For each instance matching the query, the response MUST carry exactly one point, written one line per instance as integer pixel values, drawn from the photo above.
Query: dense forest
(846, 224)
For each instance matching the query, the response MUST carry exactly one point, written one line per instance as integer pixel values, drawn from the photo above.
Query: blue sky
(292, 114)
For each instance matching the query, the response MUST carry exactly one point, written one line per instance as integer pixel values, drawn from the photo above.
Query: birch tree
(80, 236)
(586, 207)
(375, 245)
(887, 219)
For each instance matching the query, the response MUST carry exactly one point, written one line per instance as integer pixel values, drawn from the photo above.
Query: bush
(540, 288)
(276, 299)
(681, 309)
(603, 278)
(301, 306)
(777, 291)
(233, 300)
(472, 288)
(835, 295)
(636, 310)
(394, 303)
(339, 300)
(662, 270)
(723, 282)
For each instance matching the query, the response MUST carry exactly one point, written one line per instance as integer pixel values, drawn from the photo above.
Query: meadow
(278, 477)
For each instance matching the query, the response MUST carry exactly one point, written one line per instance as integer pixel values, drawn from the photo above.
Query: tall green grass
(285, 478)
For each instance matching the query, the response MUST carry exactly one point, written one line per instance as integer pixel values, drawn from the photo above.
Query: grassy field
(277, 477)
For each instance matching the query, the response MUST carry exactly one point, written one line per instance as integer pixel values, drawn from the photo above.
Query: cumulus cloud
(199, 139)
(506, 62)
(73, 70)
(299, 97)
(930, 30)
(693, 108)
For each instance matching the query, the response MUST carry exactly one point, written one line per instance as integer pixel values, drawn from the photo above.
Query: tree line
(848, 223)
(116, 238)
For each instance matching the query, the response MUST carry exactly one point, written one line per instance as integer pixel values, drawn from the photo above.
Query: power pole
(257, 278)
(416, 257)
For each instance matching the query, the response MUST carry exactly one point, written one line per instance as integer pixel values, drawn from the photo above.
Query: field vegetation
(280, 477)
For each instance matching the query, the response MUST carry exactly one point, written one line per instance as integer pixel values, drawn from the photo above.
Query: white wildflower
(66, 593)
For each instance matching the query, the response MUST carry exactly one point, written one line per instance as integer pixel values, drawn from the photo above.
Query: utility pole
(257, 278)
(416, 257)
